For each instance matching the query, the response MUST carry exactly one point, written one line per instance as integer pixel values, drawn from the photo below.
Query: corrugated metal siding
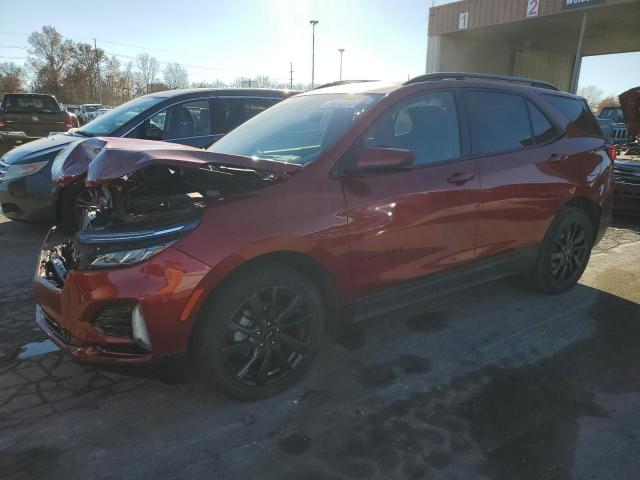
(552, 67)
(483, 13)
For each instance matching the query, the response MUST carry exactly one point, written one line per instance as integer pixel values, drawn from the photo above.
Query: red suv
(341, 203)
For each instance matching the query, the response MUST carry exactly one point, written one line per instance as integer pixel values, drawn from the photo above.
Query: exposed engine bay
(157, 197)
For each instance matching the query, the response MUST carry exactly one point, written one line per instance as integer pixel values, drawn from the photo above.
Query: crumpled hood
(630, 103)
(103, 159)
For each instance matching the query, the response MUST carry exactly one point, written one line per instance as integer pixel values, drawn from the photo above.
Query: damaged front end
(144, 196)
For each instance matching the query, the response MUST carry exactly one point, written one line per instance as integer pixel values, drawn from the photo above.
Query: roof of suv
(261, 92)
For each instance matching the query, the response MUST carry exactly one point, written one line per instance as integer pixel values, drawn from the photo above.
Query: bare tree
(592, 95)
(12, 77)
(176, 76)
(148, 68)
(49, 57)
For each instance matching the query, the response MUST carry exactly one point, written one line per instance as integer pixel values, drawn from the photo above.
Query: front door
(407, 224)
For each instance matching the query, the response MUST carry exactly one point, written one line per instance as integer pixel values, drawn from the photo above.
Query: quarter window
(577, 112)
(426, 125)
(499, 122)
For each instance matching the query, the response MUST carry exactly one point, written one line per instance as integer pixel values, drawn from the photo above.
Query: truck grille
(619, 133)
(3, 169)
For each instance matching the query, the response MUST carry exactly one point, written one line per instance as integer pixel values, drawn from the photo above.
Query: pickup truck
(28, 116)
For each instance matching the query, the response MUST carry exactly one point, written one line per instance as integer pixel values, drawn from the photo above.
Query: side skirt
(442, 283)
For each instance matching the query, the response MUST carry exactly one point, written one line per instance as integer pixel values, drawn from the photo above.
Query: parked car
(195, 117)
(88, 112)
(612, 121)
(102, 111)
(626, 174)
(34, 114)
(341, 202)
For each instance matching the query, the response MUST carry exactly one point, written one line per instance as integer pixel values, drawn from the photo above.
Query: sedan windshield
(298, 129)
(108, 123)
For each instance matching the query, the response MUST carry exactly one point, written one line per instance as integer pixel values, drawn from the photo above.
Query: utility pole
(313, 51)
(291, 75)
(341, 50)
(95, 55)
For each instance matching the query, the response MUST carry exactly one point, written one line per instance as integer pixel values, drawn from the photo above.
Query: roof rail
(341, 82)
(430, 77)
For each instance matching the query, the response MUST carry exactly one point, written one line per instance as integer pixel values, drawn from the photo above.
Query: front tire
(260, 332)
(564, 252)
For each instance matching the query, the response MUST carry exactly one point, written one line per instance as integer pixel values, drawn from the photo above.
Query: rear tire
(260, 333)
(564, 252)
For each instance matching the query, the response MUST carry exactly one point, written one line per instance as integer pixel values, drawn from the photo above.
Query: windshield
(612, 113)
(109, 122)
(296, 130)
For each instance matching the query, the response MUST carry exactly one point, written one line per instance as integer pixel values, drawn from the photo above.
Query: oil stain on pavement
(496, 422)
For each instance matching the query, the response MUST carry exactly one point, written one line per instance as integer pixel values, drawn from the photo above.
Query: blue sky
(225, 39)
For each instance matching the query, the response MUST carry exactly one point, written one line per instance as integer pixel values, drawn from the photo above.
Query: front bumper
(30, 198)
(163, 286)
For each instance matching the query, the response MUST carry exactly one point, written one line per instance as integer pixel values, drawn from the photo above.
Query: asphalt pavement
(496, 382)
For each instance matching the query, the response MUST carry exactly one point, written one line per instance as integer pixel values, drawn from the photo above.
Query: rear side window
(577, 112)
(499, 122)
(233, 112)
(543, 130)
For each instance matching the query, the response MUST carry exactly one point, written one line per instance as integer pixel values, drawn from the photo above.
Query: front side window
(426, 125)
(499, 122)
(233, 112)
(298, 129)
(108, 123)
(183, 120)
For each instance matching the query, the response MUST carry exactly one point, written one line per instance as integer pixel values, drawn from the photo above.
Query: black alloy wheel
(260, 331)
(569, 252)
(267, 337)
(564, 253)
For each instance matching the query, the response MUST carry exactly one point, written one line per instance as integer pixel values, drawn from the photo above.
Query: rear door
(525, 174)
(407, 224)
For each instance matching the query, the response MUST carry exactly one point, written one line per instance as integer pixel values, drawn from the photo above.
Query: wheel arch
(589, 207)
(301, 262)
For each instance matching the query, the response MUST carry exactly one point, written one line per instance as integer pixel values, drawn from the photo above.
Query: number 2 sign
(532, 8)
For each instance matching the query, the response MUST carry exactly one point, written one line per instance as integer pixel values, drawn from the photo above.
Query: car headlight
(19, 171)
(127, 257)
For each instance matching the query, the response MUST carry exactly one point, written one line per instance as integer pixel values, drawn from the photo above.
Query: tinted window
(184, 120)
(30, 104)
(499, 122)
(426, 125)
(543, 130)
(232, 112)
(577, 112)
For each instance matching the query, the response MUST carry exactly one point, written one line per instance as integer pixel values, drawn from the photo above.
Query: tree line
(78, 72)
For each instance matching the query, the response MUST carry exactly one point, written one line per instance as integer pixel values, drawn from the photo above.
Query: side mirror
(381, 160)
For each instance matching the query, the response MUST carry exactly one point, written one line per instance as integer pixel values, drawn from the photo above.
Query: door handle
(555, 158)
(460, 178)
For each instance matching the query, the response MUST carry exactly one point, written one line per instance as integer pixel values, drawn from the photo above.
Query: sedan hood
(24, 153)
(630, 103)
(102, 160)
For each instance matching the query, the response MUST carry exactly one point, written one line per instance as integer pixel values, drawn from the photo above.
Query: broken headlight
(121, 247)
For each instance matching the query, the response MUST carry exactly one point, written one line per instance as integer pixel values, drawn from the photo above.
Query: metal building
(544, 39)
